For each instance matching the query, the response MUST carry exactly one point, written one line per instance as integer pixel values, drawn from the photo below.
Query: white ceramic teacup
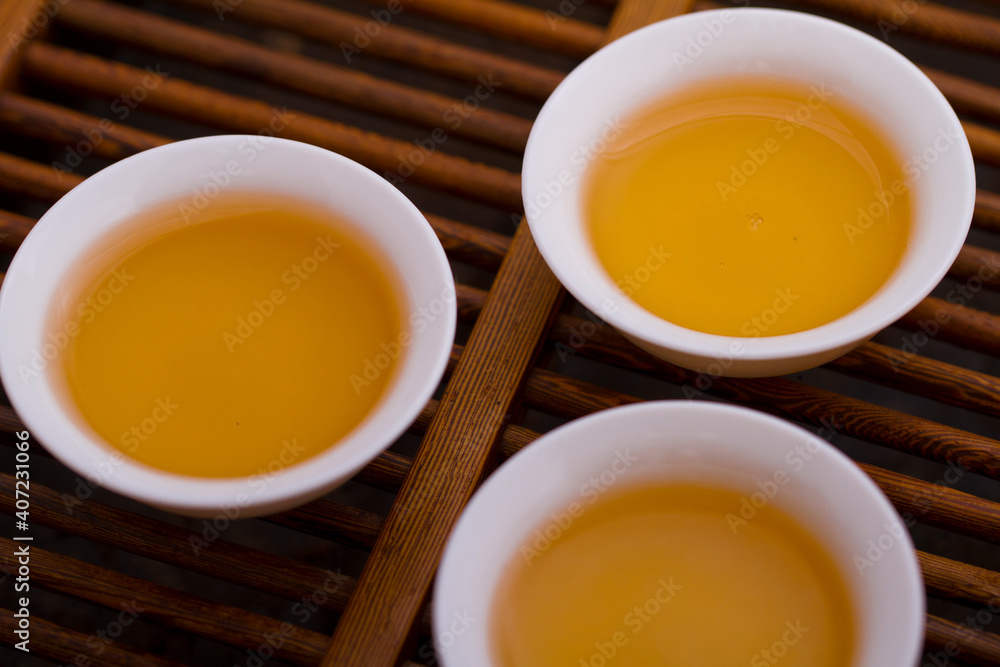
(907, 109)
(196, 171)
(763, 458)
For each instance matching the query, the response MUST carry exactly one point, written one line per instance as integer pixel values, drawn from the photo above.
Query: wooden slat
(219, 559)
(967, 96)
(987, 211)
(72, 647)
(322, 80)
(80, 134)
(984, 142)
(974, 263)
(549, 30)
(162, 604)
(966, 327)
(13, 229)
(20, 23)
(959, 581)
(461, 439)
(966, 642)
(569, 398)
(233, 113)
(954, 27)
(356, 35)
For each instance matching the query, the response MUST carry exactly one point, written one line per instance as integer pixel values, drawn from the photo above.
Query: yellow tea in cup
(676, 575)
(749, 207)
(234, 340)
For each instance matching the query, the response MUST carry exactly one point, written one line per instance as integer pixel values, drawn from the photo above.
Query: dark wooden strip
(936, 23)
(549, 30)
(343, 524)
(939, 505)
(13, 229)
(570, 399)
(959, 581)
(194, 551)
(908, 371)
(113, 141)
(201, 104)
(81, 134)
(20, 22)
(71, 647)
(987, 211)
(967, 96)
(162, 604)
(376, 34)
(974, 263)
(30, 179)
(343, 85)
(965, 641)
(960, 325)
(633, 14)
(985, 143)
(462, 439)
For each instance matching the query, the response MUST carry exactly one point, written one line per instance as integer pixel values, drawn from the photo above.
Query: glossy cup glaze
(683, 442)
(194, 172)
(645, 65)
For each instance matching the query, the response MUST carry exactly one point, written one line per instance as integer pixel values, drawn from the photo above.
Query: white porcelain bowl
(678, 442)
(204, 167)
(648, 63)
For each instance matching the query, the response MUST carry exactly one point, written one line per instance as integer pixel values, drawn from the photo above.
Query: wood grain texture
(549, 30)
(965, 641)
(233, 113)
(356, 35)
(55, 642)
(959, 324)
(73, 514)
(155, 602)
(930, 21)
(462, 439)
(343, 85)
